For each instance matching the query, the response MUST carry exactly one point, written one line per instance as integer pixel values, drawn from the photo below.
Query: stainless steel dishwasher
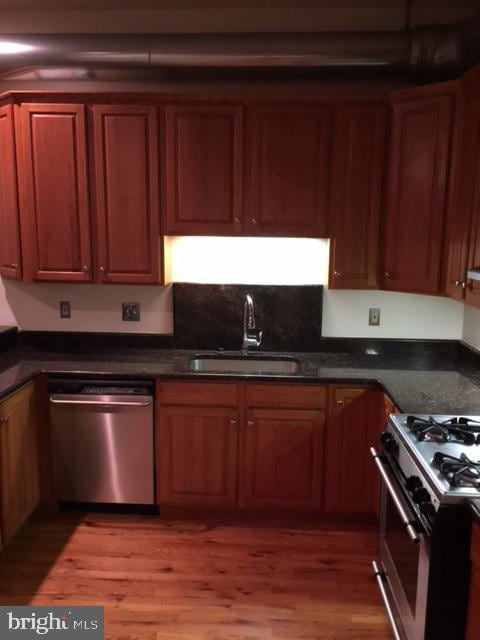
(102, 441)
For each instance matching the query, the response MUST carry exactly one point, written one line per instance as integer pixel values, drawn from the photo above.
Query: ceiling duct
(428, 52)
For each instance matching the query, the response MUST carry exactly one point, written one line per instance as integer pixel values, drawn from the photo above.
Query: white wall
(402, 315)
(94, 307)
(471, 326)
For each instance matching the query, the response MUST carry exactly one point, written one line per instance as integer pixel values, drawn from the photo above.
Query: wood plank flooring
(200, 580)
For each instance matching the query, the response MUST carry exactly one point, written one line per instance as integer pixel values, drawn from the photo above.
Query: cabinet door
(197, 456)
(358, 159)
(289, 160)
(19, 483)
(417, 193)
(355, 423)
(10, 263)
(54, 195)
(126, 189)
(282, 459)
(204, 169)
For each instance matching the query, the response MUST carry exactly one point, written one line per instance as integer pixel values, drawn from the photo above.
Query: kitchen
(233, 261)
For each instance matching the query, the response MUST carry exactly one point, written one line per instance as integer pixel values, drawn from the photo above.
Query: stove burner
(460, 430)
(460, 472)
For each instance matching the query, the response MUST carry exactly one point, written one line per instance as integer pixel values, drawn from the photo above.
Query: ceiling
(163, 16)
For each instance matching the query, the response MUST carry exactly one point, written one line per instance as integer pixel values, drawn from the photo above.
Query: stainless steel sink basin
(244, 364)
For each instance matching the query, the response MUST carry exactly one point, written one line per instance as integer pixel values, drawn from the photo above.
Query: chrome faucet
(252, 337)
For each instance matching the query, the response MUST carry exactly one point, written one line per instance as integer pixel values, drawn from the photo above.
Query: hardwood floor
(200, 580)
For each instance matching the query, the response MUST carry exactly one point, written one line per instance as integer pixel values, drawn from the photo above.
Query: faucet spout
(252, 337)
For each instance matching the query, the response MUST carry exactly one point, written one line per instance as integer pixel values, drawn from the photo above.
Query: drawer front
(197, 393)
(286, 395)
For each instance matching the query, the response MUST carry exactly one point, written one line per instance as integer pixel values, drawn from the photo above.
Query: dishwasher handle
(103, 403)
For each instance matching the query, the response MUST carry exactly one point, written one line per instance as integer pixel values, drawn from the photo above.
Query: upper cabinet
(127, 193)
(417, 189)
(288, 169)
(204, 169)
(358, 161)
(54, 193)
(464, 209)
(10, 257)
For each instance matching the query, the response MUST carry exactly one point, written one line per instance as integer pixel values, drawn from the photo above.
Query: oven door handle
(380, 576)
(407, 521)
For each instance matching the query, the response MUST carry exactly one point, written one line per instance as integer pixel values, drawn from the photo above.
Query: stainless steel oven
(423, 566)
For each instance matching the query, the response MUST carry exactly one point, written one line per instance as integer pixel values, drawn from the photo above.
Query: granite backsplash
(211, 316)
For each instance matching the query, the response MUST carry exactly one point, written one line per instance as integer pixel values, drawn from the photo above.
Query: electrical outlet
(130, 311)
(65, 310)
(374, 317)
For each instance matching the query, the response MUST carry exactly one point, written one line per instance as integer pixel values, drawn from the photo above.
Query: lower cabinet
(19, 480)
(356, 420)
(268, 446)
(473, 620)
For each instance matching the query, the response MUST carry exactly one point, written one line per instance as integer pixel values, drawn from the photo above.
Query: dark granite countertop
(417, 383)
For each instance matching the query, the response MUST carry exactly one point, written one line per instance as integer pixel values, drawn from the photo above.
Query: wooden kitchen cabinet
(356, 420)
(10, 256)
(19, 481)
(282, 445)
(288, 155)
(358, 161)
(417, 188)
(127, 193)
(473, 619)
(55, 216)
(204, 158)
(197, 445)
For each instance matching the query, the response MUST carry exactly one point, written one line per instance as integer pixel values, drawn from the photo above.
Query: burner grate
(458, 429)
(460, 472)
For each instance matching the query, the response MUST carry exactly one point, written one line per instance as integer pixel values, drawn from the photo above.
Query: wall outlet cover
(374, 317)
(65, 309)
(131, 311)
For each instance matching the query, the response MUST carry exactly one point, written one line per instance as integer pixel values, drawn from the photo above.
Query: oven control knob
(421, 496)
(388, 443)
(428, 510)
(413, 483)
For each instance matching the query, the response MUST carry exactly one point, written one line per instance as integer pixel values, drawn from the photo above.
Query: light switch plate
(131, 311)
(65, 309)
(374, 316)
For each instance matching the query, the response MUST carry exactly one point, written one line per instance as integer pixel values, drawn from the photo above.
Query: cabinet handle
(250, 423)
(3, 419)
(337, 274)
(388, 275)
(13, 266)
(102, 269)
(85, 268)
(463, 284)
(340, 403)
(233, 422)
(254, 220)
(236, 220)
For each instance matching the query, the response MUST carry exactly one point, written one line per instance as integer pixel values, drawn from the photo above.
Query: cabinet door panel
(282, 461)
(351, 482)
(289, 177)
(55, 212)
(19, 482)
(10, 262)
(417, 194)
(197, 454)
(204, 169)
(358, 159)
(127, 198)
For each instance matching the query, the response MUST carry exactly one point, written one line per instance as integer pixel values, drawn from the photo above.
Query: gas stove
(446, 449)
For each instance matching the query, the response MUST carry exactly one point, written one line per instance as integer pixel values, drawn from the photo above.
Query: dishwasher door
(103, 448)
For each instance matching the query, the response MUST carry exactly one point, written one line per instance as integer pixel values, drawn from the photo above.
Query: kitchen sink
(244, 364)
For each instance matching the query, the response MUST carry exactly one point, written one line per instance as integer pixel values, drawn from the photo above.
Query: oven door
(404, 559)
